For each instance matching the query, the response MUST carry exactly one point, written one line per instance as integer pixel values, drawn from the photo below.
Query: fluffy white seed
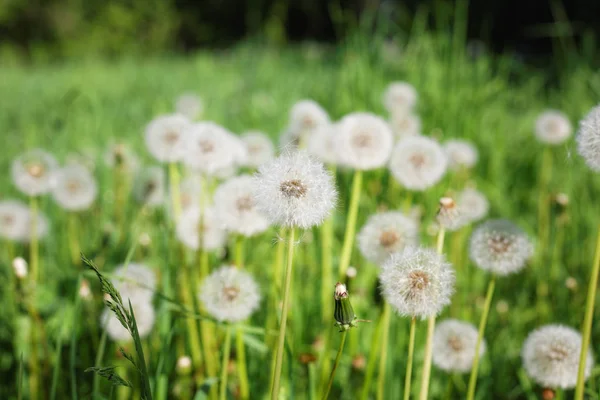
(454, 345)
(166, 137)
(33, 172)
(450, 216)
(364, 141)
(230, 294)
(461, 154)
(553, 127)
(188, 229)
(259, 148)
(75, 188)
(551, 356)
(405, 124)
(14, 220)
(400, 97)
(473, 204)
(294, 190)
(322, 144)
(588, 139)
(501, 247)
(418, 162)
(190, 106)
(134, 281)
(386, 233)
(417, 282)
(306, 116)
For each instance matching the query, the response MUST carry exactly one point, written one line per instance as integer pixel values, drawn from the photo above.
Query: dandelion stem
(543, 202)
(383, 350)
(284, 312)
(587, 322)
(335, 365)
(409, 361)
(326, 270)
(371, 364)
(193, 335)
(430, 329)
(34, 244)
(350, 224)
(225, 363)
(482, 323)
(239, 335)
(175, 195)
(74, 239)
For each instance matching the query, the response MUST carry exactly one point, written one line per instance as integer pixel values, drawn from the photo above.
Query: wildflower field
(391, 200)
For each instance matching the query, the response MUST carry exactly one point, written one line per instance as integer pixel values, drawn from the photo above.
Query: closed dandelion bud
(343, 312)
(20, 267)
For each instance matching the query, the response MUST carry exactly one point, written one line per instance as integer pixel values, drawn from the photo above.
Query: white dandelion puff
(385, 233)
(450, 216)
(588, 139)
(499, 246)
(188, 229)
(322, 144)
(14, 220)
(259, 148)
(306, 116)
(190, 106)
(210, 148)
(417, 282)
(119, 155)
(405, 124)
(461, 154)
(20, 268)
(473, 204)
(551, 356)
(400, 97)
(230, 294)
(454, 345)
(418, 162)
(149, 186)
(166, 137)
(294, 190)
(33, 172)
(364, 141)
(75, 188)
(553, 127)
(134, 281)
(236, 207)
(41, 223)
(144, 318)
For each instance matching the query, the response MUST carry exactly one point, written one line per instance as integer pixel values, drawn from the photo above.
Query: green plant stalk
(335, 365)
(409, 360)
(326, 268)
(586, 331)
(97, 363)
(34, 363)
(207, 332)
(73, 232)
(430, 329)
(544, 203)
(383, 350)
(482, 324)
(34, 244)
(192, 329)
(239, 335)
(284, 313)
(225, 364)
(371, 363)
(175, 195)
(350, 225)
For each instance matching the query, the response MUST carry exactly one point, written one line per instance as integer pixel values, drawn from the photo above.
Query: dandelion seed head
(454, 345)
(120, 155)
(306, 116)
(418, 162)
(149, 186)
(144, 318)
(400, 97)
(259, 148)
(551, 356)
(14, 220)
(75, 188)
(499, 246)
(190, 106)
(188, 229)
(473, 204)
(417, 282)
(322, 144)
(460, 154)
(363, 141)
(294, 190)
(553, 127)
(236, 207)
(450, 216)
(588, 139)
(385, 233)
(33, 172)
(405, 124)
(166, 137)
(135, 281)
(230, 294)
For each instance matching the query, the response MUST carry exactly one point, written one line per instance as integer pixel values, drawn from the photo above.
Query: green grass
(491, 101)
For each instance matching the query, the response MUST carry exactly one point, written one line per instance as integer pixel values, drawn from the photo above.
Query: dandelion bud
(449, 216)
(343, 313)
(571, 283)
(548, 394)
(562, 199)
(84, 290)
(307, 358)
(184, 365)
(20, 267)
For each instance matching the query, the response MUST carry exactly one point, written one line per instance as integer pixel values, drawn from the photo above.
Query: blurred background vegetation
(53, 30)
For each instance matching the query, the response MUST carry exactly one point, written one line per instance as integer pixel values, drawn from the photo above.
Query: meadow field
(95, 116)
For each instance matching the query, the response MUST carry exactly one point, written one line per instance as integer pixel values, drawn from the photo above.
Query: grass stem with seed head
(587, 321)
(350, 225)
(335, 365)
(482, 324)
(409, 361)
(284, 312)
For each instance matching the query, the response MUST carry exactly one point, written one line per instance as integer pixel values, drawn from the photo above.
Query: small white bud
(84, 290)
(351, 272)
(20, 267)
(145, 239)
(184, 364)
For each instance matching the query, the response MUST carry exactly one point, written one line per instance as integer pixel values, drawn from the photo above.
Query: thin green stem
(326, 268)
(430, 329)
(350, 225)
(225, 364)
(383, 350)
(335, 365)
(587, 321)
(370, 371)
(239, 337)
(33, 241)
(409, 361)
(192, 329)
(543, 202)
(175, 195)
(73, 232)
(284, 313)
(482, 324)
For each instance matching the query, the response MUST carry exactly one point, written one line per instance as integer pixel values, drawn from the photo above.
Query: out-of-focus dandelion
(473, 204)
(306, 116)
(588, 139)
(404, 125)
(33, 172)
(14, 220)
(400, 97)
(454, 345)
(19, 266)
(418, 162)
(75, 188)
(553, 127)
(189, 105)
(149, 186)
(259, 148)
(166, 137)
(322, 144)
(386, 233)
(461, 154)
(144, 318)
(450, 216)
(120, 155)
(188, 229)
(135, 281)
(551, 356)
